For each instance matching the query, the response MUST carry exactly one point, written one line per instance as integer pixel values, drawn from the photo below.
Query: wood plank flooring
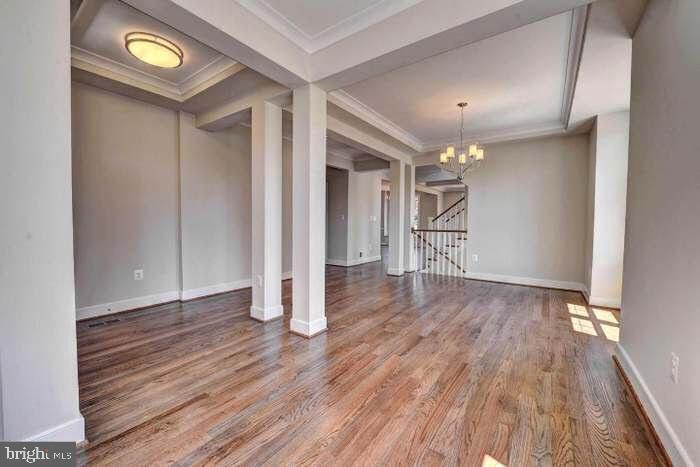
(419, 369)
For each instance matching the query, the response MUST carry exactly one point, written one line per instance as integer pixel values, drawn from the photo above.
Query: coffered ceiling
(99, 57)
(514, 83)
(315, 24)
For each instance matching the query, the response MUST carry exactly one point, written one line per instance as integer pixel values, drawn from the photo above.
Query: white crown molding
(119, 68)
(508, 134)
(212, 73)
(279, 22)
(577, 37)
(221, 64)
(334, 33)
(350, 104)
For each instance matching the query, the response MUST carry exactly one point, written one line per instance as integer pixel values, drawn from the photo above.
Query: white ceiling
(512, 81)
(99, 29)
(315, 24)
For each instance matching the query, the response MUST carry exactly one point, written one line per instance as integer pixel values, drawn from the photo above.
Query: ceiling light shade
(480, 155)
(153, 49)
(443, 157)
(450, 151)
(472, 150)
(463, 158)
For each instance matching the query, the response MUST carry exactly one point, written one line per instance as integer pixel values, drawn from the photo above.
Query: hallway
(418, 368)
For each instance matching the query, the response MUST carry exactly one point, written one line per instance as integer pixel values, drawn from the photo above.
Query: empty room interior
(368, 232)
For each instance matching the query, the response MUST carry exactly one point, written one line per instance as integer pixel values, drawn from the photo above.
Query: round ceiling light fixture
(153, 49)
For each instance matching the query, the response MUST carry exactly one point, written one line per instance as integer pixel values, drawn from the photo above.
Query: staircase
(441, 249)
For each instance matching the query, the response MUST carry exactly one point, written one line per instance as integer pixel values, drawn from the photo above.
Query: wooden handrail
(455, 215)
(445, 211)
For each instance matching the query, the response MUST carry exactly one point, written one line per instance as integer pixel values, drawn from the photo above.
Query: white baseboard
(395, 271)
(671, 442)
(266, 314)
(604, 302)
(72, 430)
(600, 301)
(353, 262)
(531, 281)
(101, 309)
(586, 294)
(368, 259)
(307, 328)
(128, 304)
(191, 294)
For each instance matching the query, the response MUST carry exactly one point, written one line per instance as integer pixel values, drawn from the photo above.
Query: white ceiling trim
(212, 73)
(576, 41)
(348, 103)
(510, 134)
(339, 31)
(577, 37)
(119, 68)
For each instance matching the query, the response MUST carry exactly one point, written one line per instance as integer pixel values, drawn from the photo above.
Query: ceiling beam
(352, 136)
(452, 181)
(370, 165)
(407, 37)
(231, 113)
(579, 22)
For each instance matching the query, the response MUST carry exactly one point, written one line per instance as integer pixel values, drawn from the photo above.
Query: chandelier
(461, 160)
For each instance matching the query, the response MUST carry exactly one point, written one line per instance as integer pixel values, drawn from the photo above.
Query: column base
(306, 328)
(266, 314)
(395, 271)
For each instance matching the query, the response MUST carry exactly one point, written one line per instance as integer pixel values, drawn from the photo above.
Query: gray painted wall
(527, 209)
(215, 205)
(140, 171)
(428, 209)
(364, 210)
(37, 304)
(336, 214)
(125, 196)
(661, 297)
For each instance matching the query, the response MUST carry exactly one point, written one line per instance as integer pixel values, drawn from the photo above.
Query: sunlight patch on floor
(605, 315)
(583, 325)
(612, 333)
(577, 310)
(491, 462)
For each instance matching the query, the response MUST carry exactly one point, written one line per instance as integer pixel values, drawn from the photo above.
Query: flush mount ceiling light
(153, 49)
(466, 161)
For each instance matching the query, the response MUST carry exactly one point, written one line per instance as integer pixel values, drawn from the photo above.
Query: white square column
(409, 255)
(309, 211)
(397, 212)
(266, 191)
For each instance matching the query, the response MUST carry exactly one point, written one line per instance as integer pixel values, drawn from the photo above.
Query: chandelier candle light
(466, 161)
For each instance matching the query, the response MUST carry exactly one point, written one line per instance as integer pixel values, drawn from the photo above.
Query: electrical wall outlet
(361, 253)
(138, 274)
(675, 363)
(475, 258)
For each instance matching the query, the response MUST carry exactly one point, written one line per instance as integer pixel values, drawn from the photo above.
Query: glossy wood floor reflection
(413, 370)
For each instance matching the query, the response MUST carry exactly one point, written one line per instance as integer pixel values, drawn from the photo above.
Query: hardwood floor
(413, 370)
